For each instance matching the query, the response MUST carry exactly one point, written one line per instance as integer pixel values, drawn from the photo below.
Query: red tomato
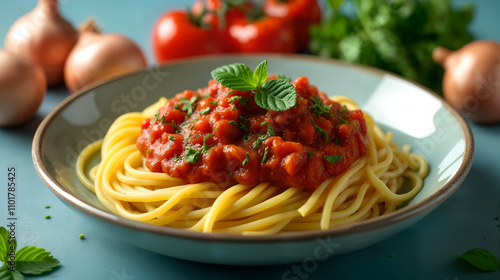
(176, 36)
(267, 34)
(301, 14)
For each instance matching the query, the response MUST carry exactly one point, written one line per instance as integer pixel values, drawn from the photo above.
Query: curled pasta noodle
(376, 185)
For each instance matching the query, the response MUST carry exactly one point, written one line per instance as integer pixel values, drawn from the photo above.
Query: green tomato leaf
(7, 274)
(260, 74)
(482, 259)
(236, 76)
(276, 95)
(33, 260)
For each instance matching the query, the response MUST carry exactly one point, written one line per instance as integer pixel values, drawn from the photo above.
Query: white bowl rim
(404, 213)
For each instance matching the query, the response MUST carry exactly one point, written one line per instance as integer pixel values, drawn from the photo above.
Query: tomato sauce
(219, 135)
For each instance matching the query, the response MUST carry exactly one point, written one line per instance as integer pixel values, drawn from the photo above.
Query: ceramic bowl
(415, 115)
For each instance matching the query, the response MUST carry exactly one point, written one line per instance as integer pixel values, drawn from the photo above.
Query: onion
(99, 57)
(22, 88)
(44, 36)
(471, 83)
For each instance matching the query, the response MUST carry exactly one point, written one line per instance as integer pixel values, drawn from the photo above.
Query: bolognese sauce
(220, 135)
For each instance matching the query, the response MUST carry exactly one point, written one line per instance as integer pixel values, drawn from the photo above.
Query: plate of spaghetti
(254, 160)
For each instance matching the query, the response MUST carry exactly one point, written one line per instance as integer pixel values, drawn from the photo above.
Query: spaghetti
(376, 184)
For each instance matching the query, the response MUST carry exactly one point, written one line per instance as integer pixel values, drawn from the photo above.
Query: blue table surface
(427, 250)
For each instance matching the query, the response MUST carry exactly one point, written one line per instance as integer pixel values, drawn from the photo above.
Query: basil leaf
(7, 274)
(236, 76)
(482, 259)
(276, 95)
(261, 73)
(33, 260)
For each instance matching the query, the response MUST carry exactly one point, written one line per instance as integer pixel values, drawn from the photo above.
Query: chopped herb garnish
(264, 123)
(310, 154)
(47, 216)
(259, 140)
(162, 120)
(233, 107)
(156, 117)
(205, 147)
(177, 128)
(196, 135)
(243, 101)
(189, 105)
(333, 158)
(230, 92)
(344, 109)
(148, 151)
(236, 97)
(214, 103)
(343, 121)
(264, 157)
(320, 130)
(270, 130)
(192, 155)
(231, 174)
(47, 206)
(205, 111)
(241, 125)
(245, 161)
(82, 236)
(275, 94)
(337, 140)
(176, 107)
(177, 158)
(171, 137)
(319, 107)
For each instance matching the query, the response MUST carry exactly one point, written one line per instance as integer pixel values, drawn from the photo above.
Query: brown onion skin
(471, 83)
(100, 57)
(44, 36)
(22, 88)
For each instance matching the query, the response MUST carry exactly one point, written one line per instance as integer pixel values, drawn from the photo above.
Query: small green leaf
(320, 130)
(482, 259)
(192, 155)
(33, 260)
(264, 157)
(333, 158)
(205, 111)
(319, 107)
(245, 161)
(260, 74)
(156, 117)
(4, 244)
(7, 274)
(236, 76)
(276, 95)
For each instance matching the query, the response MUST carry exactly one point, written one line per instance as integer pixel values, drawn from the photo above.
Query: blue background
(427, 250)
